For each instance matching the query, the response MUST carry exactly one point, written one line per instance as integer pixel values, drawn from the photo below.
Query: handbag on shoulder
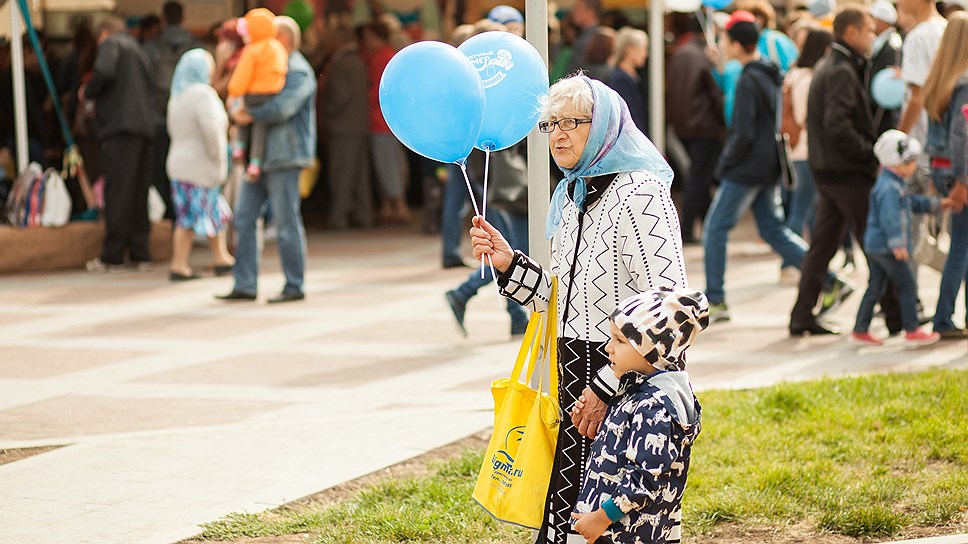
(514, 478)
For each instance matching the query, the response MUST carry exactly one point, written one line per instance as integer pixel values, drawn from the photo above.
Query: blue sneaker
(457, 307)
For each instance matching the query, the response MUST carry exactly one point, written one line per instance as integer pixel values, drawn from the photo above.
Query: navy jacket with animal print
(640, 458)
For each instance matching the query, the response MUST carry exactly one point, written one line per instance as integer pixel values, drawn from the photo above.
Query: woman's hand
(588, 413)
(486, 240)
(591, 526)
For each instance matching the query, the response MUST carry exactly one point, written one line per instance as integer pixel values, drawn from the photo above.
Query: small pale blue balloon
(514, 79)
(717, 4)
(888, 89)
(433, 100)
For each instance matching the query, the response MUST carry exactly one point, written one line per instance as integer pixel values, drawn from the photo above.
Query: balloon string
(487, 161)
(467, 181)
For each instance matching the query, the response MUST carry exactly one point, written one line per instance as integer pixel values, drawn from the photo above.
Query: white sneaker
(790, 276)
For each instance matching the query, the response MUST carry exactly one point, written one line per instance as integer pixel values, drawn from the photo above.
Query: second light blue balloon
(515, 79)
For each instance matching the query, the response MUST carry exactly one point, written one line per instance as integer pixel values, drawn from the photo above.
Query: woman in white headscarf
(197, 164)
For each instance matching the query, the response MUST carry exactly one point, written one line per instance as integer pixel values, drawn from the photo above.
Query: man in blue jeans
(507, 210)
(749, 166)
(290, 147)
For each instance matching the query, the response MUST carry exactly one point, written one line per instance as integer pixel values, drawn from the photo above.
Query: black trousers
(842, 204)
(703, 155)
(159, 169)
(127, 159)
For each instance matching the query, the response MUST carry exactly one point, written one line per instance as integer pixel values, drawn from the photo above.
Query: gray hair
(569, 92)
(287, 25)
(626, 38)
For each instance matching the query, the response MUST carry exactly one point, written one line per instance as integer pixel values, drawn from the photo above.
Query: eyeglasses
(563, 124)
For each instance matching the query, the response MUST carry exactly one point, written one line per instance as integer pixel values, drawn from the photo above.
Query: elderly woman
(615, 234)
(197, 164)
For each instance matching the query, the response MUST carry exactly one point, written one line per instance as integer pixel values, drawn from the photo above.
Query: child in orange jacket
(259, 74)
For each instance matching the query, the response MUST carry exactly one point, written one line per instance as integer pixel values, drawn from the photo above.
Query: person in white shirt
(917, 54)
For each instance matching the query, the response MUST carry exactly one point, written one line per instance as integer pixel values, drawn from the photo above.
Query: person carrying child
(636, 474)
(259, 74)
(888, 238)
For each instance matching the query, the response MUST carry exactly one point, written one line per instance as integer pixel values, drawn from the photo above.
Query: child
(888, 238)
(640, 459)
(259, 74)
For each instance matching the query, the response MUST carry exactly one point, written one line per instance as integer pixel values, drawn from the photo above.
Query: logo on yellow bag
(504, 461)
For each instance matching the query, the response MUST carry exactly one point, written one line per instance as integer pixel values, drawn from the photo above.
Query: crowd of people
(732, 82)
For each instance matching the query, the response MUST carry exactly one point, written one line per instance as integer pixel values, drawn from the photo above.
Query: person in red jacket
(386, 150)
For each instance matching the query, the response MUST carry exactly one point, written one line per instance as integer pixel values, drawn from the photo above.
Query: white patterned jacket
(627, 241)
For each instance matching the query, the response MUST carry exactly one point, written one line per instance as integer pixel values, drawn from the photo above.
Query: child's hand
(959, 194)
(591, 526)
(901, 254)
(949, 204)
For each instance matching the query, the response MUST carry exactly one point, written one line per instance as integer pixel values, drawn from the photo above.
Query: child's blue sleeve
(650, 453)
(886, 207)
(925, 204)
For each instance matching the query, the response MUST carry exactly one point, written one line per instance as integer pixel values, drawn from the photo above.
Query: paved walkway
(175, 409)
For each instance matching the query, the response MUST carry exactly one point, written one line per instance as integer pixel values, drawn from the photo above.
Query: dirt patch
(804, 533)
(727, 533)
(16, 454)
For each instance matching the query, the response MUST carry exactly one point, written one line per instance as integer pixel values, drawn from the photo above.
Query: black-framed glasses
(563, 124)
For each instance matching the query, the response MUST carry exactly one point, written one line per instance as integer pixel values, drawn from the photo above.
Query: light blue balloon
(888, 89)
(433, 101)
(717, 4)
(514, 79)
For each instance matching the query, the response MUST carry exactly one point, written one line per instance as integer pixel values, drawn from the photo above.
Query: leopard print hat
(662, 323)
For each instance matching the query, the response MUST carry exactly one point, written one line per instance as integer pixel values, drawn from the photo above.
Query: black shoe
(813, 329)
(175, 276)
(286, 297)
(457, 307)
(222, 269)
(236, 295)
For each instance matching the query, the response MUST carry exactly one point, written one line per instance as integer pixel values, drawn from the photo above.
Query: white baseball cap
(882, 10)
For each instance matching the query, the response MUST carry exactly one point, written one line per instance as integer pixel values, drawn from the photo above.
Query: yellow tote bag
(514, 478)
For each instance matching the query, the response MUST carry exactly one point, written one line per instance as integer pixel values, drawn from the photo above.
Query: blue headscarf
(195, 66)
(614, 145)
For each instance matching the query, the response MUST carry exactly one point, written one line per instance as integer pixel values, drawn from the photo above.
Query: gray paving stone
(179, 409)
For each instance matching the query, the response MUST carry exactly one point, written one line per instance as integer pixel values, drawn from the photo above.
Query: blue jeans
(730, 203)
(514, 227)
(883, 266)
(452, 211)
(956, 267)
(800, 202)
(282, 189)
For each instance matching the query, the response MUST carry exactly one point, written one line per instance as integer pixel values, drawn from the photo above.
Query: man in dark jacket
(121, 89)
(841, 138)
(694, 108)
(163, 53)
(749, 166)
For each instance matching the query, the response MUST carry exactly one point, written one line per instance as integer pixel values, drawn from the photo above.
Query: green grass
(861, 457)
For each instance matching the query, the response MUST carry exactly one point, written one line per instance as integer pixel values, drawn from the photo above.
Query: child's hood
(259, 21)
(676, 386)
